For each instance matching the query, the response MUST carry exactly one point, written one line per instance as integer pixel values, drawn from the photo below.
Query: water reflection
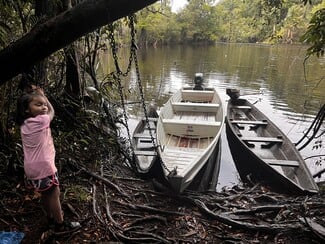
(292, 92)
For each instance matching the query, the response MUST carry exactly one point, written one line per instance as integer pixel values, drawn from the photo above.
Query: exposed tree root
(129, 210)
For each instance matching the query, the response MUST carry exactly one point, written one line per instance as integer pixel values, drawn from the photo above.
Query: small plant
(77, 192)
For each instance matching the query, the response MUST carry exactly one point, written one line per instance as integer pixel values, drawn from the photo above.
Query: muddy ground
(114, 205)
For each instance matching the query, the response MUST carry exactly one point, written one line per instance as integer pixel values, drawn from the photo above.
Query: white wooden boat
(207, 178)
(188, 129)
(144, 143)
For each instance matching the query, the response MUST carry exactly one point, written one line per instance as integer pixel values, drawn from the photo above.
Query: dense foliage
(83, 120)
(235, 21)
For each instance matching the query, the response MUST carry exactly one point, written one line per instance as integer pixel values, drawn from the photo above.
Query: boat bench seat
(144, 143)
(191, 127)
(249, 122)
(195, 107)
(151, 119)
(197, 95)
(261, 139)
(289, 163)
(191, 122)
(145, 153)
(242, 107)
(140, 135)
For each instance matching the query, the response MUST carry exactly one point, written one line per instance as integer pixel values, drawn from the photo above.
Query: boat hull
(144, 145)
(188, 130)
(262, 152)
(207, 178)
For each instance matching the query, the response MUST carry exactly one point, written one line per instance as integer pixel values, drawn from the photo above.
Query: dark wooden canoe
(263, 153)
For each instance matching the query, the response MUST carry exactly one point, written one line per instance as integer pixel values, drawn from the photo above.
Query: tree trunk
(72, 86)
(62, 30)
(143, 38)
(42, 9)
(36, 74)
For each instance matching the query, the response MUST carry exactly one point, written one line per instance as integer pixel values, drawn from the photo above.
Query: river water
(284, 87)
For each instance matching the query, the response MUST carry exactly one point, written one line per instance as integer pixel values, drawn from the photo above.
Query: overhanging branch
(62, 30)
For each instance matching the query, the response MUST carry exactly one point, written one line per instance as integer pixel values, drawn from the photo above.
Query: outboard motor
(198, 81)
(233, 93)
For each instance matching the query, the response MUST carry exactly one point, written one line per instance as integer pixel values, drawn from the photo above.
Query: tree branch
(62, 30)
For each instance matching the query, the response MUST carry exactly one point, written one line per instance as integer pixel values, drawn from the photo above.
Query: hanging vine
(117, 75)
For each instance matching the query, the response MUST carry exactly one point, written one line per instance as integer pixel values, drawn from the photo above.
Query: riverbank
(113, 204)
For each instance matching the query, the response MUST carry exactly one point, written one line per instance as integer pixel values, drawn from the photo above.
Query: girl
(34, 114)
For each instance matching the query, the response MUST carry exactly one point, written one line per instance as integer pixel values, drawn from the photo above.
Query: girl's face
(37, 106)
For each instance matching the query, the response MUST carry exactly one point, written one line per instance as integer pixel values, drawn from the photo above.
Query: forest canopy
(256, 21)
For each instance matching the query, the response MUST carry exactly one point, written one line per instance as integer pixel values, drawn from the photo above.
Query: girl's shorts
(43, 184)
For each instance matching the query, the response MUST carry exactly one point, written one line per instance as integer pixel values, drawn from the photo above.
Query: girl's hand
(38, 89)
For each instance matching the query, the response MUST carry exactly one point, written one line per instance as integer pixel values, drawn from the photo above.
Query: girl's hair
(22, 106)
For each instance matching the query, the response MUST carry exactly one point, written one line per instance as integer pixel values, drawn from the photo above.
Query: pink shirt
(39, 152)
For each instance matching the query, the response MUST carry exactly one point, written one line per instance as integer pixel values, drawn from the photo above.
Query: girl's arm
(50, 111)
